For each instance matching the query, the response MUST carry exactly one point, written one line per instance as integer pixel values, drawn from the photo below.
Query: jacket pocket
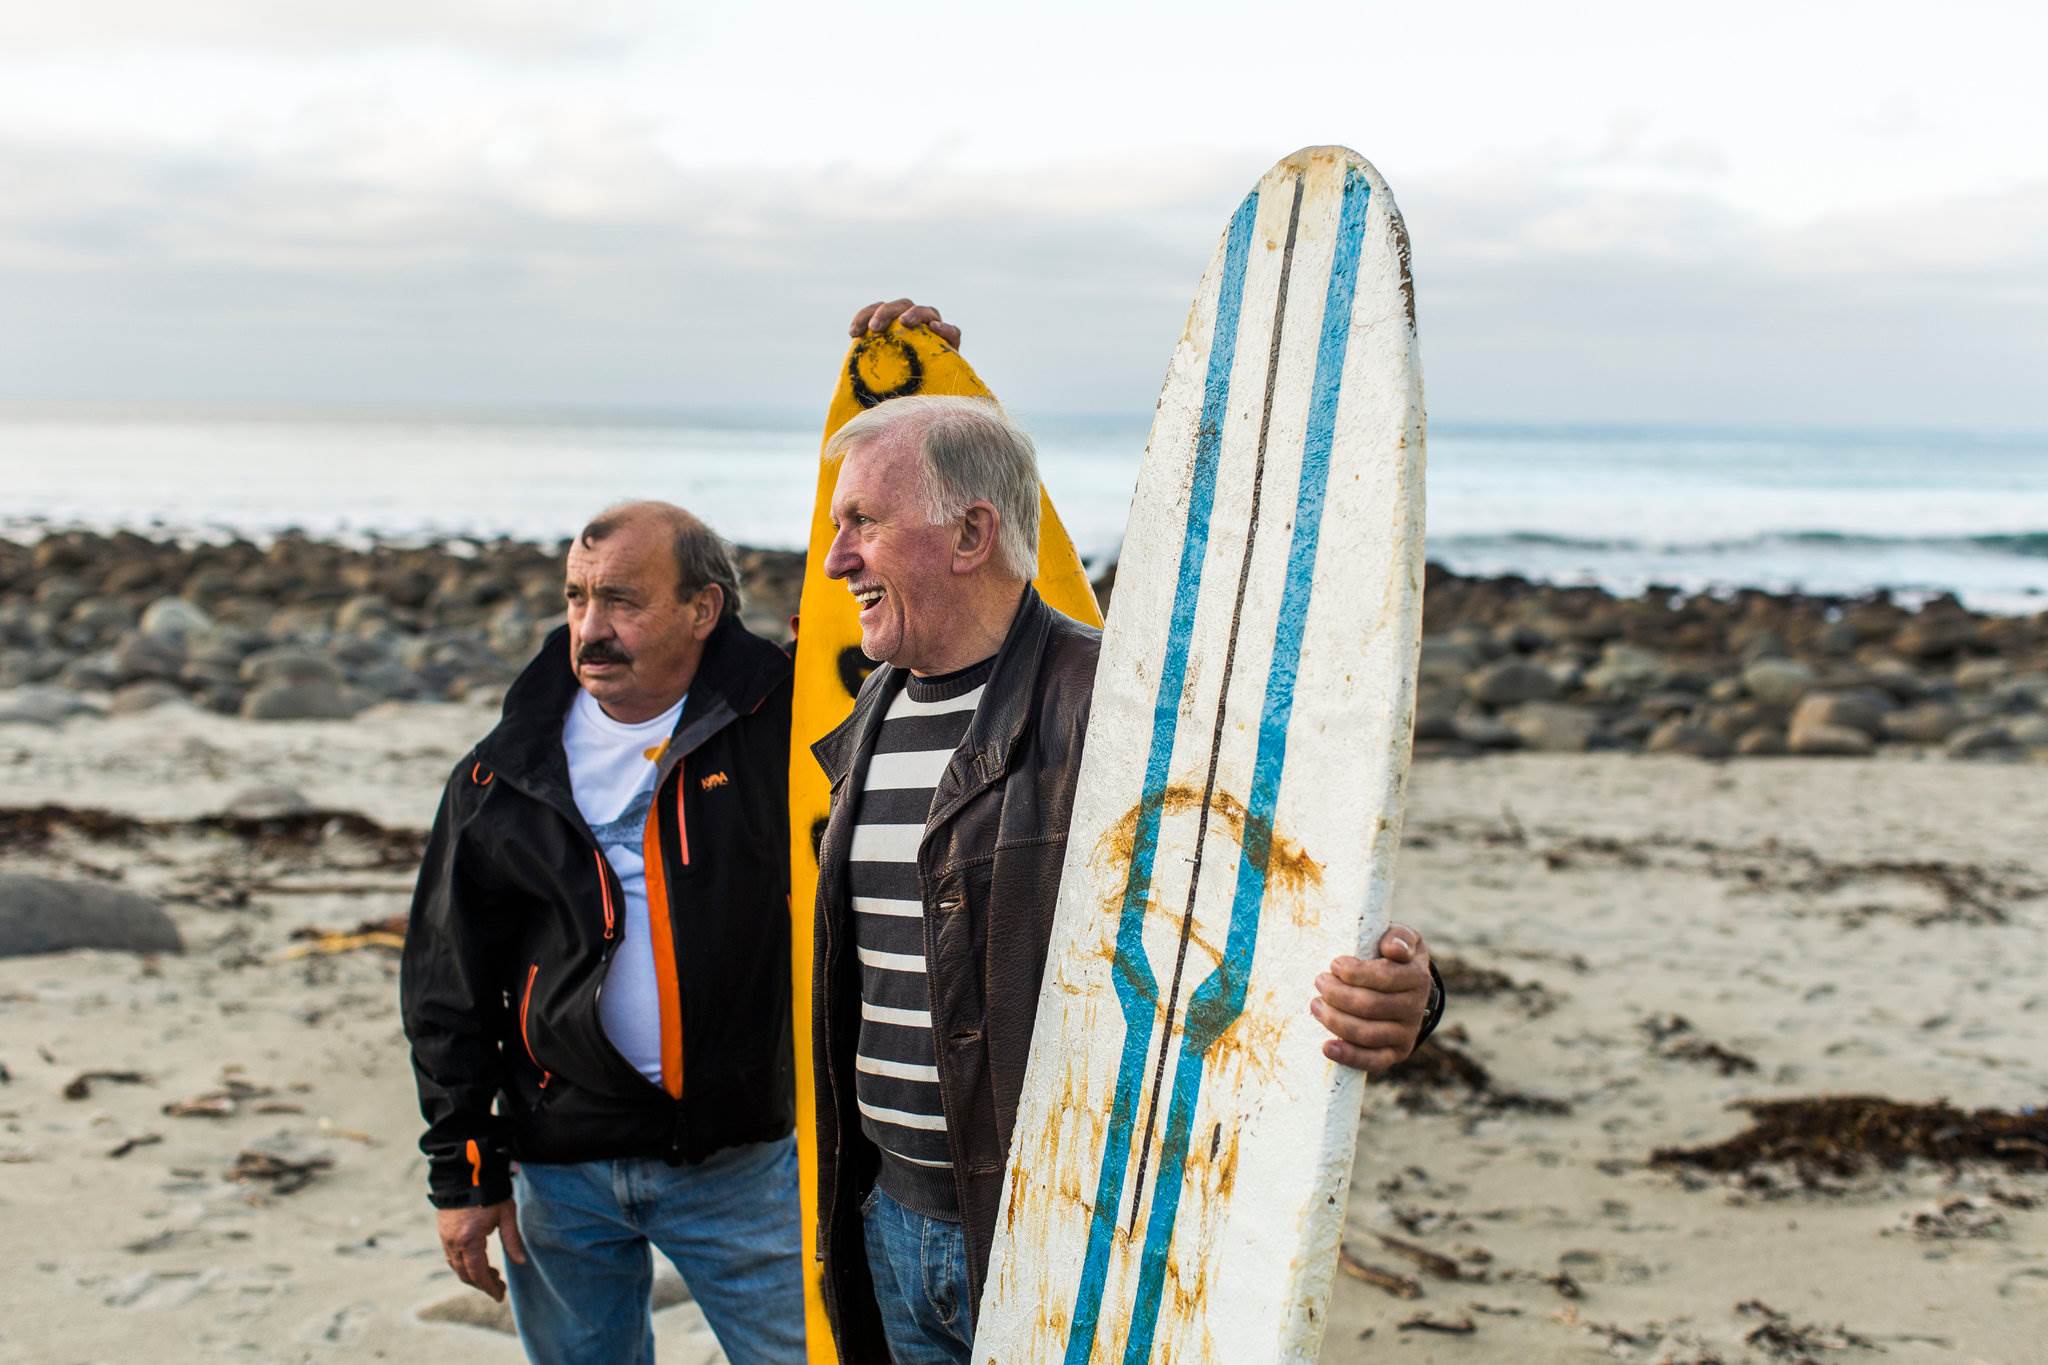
(525, 1031)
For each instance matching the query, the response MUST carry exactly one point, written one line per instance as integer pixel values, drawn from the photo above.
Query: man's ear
(705, 608)
(976, 541)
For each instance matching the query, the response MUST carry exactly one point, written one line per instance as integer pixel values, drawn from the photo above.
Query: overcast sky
(1749, 214)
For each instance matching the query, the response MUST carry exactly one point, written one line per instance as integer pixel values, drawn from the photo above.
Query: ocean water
(1827, 512)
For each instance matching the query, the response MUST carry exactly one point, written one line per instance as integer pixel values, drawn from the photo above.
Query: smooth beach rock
(1837, 638)
(140, 657)
(174, 618)
(1683, 737)
(1476, 728)
(44, 915)
(304, 621)
(1862, 711)
(90, 673)
(510, 629)
(138, 697)
(1979, 675)
(59, 594)
(1553, 727)
(1897, 677)
(1603, 623)
(1510, 683)
(1627, 731)
(46, 706)
(1626, 668)
(1447, 659)
(1664, 705)
(1873, 621)
(1820, 740)
(101, 618)
(1765, 741)
(1752, 645)
(289, 664)
(1436, 715)
(314, 700)
(267, 803)
(1976, 741)
(1778, 680)
(2026, 692)
(2029, 732)
(1934, 634)
(1927, 722)
(1732, 722)
(365, 611)
(388, 681)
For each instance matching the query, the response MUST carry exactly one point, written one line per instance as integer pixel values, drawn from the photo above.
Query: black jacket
(517, 914)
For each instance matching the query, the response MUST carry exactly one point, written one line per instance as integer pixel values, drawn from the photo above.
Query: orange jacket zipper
(604, 886)
(526, 1004)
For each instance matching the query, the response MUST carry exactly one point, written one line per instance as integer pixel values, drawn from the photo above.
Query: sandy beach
(1675, 854)
(1637, 944)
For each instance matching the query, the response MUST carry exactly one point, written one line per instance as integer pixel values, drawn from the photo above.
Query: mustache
(602, 652)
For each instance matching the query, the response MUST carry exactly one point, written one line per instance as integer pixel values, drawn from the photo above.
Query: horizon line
(656, 414)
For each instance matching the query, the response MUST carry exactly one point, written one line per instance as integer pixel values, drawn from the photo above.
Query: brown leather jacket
(990, 867)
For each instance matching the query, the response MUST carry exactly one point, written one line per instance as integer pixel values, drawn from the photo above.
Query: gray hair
(972, 452)
(703, 557)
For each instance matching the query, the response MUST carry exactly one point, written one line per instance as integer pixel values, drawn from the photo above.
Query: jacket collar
(738, 671)
(984, 752)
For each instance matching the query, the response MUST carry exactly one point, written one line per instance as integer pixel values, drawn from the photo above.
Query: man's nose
(840, 560)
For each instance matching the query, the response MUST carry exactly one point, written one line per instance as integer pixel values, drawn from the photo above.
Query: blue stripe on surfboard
(1219, 1000)
(1137, 989)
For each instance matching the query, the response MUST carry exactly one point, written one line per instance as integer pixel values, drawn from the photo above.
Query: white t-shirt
(611, 773)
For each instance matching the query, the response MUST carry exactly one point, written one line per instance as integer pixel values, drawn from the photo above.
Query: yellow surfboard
(829, 670)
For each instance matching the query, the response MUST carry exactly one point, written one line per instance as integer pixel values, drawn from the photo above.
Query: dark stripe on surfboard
(1136, 988)
(1244, 574)
(1219, 1000)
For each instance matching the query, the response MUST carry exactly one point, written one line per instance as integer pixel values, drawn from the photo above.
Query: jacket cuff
(472, 1176)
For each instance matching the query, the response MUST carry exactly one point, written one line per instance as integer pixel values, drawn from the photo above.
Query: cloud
(570, 256)
(499, 27)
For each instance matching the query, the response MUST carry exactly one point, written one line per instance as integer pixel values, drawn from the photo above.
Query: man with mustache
(596, 972)
(952, 786)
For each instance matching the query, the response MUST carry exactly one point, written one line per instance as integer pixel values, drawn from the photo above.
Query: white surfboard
(1181, 1154)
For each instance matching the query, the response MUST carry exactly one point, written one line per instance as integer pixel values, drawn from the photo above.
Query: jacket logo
(714, 781)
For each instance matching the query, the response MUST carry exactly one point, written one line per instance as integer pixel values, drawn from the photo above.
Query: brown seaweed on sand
(284, 1174)
(1465, 980)
(1841, 1135)
(1438, 1066)
(1779, 1338)
(30, 828)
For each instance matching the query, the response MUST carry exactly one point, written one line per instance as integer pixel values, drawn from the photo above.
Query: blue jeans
(729, 1224)
(919, 1266)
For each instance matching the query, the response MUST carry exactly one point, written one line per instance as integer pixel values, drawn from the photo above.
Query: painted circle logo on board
(883, 367)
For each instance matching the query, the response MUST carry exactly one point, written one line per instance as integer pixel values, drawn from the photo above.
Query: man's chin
(879, 646)
(600, 682)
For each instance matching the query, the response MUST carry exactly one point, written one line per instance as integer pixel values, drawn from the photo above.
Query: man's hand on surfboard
(1374, 1008)
(466, 1238)
(876, 317)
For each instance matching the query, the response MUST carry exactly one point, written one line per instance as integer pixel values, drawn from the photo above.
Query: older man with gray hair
(953, 784)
